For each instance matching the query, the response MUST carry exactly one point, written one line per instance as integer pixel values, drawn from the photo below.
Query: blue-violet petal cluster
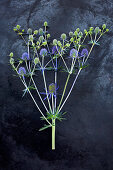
(43, 52)
(84, 52)
(73, 53)
(22, 71)
(25, 56)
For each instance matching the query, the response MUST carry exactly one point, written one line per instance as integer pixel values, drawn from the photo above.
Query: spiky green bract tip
(55, 115)
(107, 30)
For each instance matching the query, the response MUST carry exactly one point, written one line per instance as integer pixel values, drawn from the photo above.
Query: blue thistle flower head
(54, 50)
(73, 53)
(84, 52)
(22, 71)
(25, 56)
(43, 52)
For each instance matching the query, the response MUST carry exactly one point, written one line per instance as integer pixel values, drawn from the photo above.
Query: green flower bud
(45, 24)
(104, 26)
(11, 54)
(31, 37)
(11, 61)
(97, 30)
(54, 42)
(18, 27)
(15, 29)
(21, 61)
(41, 38)
(78, 29)
(75, 33)
(29, 31)
(20, 33)
(71, 39)
(70, 33)
(36, 32)
(36, 60)
(91, 28)
(90, 32)
(38, 47)
(80, 34)
(37, 42)
(48, 35)
(33, 44)
(85, 31)
(59, 43)
(23, 30)
(63, 36)
(67, 45)
(41, 31)
(107, 30)
(45, 43)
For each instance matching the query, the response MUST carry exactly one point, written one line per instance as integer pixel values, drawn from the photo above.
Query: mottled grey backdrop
(84, 141)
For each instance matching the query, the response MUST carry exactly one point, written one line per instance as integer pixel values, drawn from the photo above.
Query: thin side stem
(75, 81)
(24, 83)
(39, 94)
(63, 92)
(70, 90)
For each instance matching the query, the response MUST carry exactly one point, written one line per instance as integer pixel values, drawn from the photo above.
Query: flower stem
(63, 92)
(53, 134)
(75, 80)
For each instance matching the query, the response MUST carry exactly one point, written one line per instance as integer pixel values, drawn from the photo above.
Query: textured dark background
(85, 140)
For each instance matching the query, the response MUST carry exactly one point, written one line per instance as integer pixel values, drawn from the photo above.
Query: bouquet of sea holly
(68, 55)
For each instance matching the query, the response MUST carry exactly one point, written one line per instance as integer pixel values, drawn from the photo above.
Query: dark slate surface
(85, 140)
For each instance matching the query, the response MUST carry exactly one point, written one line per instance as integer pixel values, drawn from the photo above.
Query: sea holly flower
(84, 52)
(45, 24)
(43, 52)
(51, 91)
(29, 31)
(22, 71)
(54, 50)
(55, 42)
(41, 31)
(70, 33)
(73, 53)
(36, 60)
(63, 36)
(25, 56)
